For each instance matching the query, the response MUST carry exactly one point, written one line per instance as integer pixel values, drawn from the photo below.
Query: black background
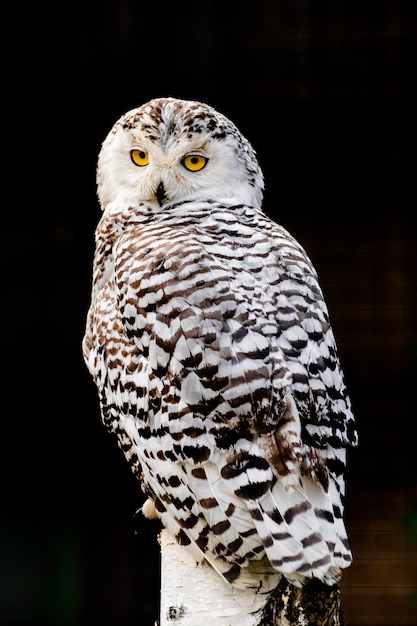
(326, 93)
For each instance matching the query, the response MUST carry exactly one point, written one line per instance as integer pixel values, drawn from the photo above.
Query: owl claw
(148, 510)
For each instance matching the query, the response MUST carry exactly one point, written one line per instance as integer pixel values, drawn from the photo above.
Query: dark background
(326, 92)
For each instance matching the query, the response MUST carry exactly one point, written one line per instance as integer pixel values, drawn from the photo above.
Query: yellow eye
(194, 162)
(139, 157)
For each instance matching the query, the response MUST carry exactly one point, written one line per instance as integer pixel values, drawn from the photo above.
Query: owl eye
(194, 162)
(139, 157)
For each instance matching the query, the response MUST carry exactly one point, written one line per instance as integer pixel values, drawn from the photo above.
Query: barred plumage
(210, 343)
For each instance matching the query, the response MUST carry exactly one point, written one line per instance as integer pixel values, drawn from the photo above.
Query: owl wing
(229, 406)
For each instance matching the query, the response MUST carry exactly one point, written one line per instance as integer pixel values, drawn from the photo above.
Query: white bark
(194, 594)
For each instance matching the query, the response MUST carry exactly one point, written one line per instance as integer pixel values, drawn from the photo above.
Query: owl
(210, 345)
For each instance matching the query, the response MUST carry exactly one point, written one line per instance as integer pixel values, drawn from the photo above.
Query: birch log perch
(193, 594)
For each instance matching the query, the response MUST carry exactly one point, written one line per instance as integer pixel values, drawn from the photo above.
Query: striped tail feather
(294, 543)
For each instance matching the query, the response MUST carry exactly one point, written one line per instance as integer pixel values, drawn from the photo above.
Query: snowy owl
(209, 342)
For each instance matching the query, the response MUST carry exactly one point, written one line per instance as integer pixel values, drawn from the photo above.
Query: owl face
(171, 150)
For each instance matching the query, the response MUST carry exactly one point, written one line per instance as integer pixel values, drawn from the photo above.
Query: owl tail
(302, 532)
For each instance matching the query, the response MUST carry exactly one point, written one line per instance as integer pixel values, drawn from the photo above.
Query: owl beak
(160, 193)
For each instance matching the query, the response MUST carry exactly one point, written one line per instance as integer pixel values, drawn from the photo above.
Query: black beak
(160, 193)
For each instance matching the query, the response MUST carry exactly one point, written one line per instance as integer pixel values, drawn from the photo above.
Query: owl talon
(148, 510)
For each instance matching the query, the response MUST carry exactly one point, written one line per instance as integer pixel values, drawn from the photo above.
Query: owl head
(169, 150)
